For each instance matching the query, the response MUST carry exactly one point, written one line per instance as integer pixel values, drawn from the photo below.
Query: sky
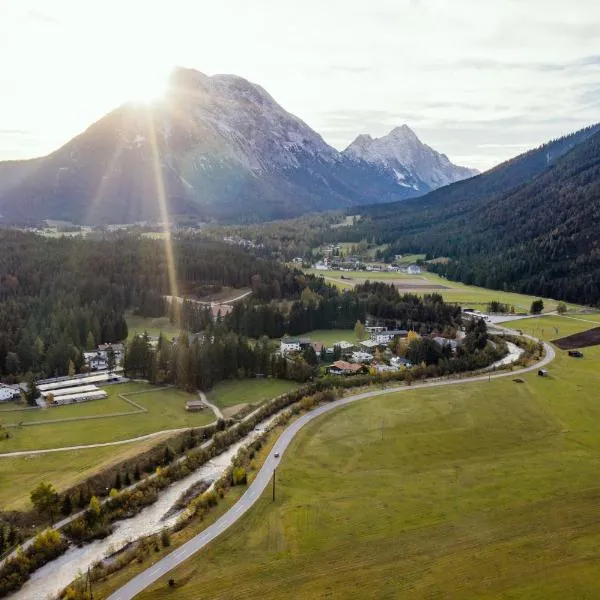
(478, 80)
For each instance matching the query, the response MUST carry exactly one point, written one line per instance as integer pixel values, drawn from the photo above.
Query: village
(377, 353)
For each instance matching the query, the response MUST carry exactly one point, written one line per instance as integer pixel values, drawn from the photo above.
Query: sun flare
(146, 86)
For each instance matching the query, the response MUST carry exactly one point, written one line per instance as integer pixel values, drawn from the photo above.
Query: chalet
(344, 345)
(385, 337)
(318, 347)
(413, 269)
(341, 367)
(361, 357)
(289, 345)
(399, 361)
(369, 345)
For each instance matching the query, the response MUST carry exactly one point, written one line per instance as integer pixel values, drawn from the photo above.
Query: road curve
(262, 479)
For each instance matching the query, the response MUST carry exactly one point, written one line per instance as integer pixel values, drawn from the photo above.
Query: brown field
(591, 337)
(420, 287)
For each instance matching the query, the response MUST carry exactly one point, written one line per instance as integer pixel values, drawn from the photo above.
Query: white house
(8, 393)
(289, 345)
(344, 345)
(361, 357)
(400, 361)
(368, 345)
(385, 337)
(413, 269)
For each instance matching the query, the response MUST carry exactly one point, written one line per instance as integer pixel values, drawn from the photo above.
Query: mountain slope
(403, 153)
(531, 224)
(217, 148)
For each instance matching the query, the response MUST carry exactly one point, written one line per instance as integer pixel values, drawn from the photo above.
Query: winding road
(262, 479)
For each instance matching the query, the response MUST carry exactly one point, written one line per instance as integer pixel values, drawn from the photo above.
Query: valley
(437, 486)
(314, 316)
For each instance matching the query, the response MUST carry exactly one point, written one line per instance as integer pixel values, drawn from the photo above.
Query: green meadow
(100, 421)
(487, 490)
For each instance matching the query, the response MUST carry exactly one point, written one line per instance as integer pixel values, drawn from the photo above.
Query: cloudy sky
(478, 80)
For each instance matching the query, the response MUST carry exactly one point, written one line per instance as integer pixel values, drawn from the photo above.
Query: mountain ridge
(218, 148)
(401, 150)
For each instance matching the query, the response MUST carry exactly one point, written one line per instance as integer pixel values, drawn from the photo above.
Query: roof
(318, 346)
(80, 389)
(194, 404)
(290, 340)
(75, 382)
(369, 343)
(342, 365)
(98, 395)
(343, 344)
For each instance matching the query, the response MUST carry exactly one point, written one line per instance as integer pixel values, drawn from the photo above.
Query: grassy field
(165, 410)
(453, 291)
(154, 326)
(331, 336)
(21, 474)
(480, 491)
(248, 391)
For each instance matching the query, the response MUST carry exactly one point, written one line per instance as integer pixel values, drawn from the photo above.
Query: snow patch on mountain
(401, 150)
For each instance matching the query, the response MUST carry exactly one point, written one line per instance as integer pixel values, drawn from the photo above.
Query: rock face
(403, 153)
(216, 148)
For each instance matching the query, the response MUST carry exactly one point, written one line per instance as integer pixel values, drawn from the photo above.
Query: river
(50, 579)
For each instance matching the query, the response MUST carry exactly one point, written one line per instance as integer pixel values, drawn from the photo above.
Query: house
(298, 260)
(413, 269)
(320, 266)
(374, 329)
(361, 357)
(385, 337)
(304, 343)
(369, 345)
(341, 367)
(542, 373)
(194, 405)
(96, 361)
(318, 347)
(399, 361)
(344, 345)
(8, 393)
(289, 345)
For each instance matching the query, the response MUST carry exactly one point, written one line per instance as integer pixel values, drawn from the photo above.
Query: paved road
(263, 478)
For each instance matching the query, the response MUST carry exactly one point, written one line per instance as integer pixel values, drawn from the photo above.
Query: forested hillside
(530, 225)
(61, 296)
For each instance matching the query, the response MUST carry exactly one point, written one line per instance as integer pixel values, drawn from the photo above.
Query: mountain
(403, 153)
(530, 225)
(217, 148)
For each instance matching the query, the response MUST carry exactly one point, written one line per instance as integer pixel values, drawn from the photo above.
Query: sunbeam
(164, 213)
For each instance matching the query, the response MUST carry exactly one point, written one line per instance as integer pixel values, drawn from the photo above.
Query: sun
(147, 85)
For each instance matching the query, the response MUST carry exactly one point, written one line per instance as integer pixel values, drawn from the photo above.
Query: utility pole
(89, 580)
(274, 470)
